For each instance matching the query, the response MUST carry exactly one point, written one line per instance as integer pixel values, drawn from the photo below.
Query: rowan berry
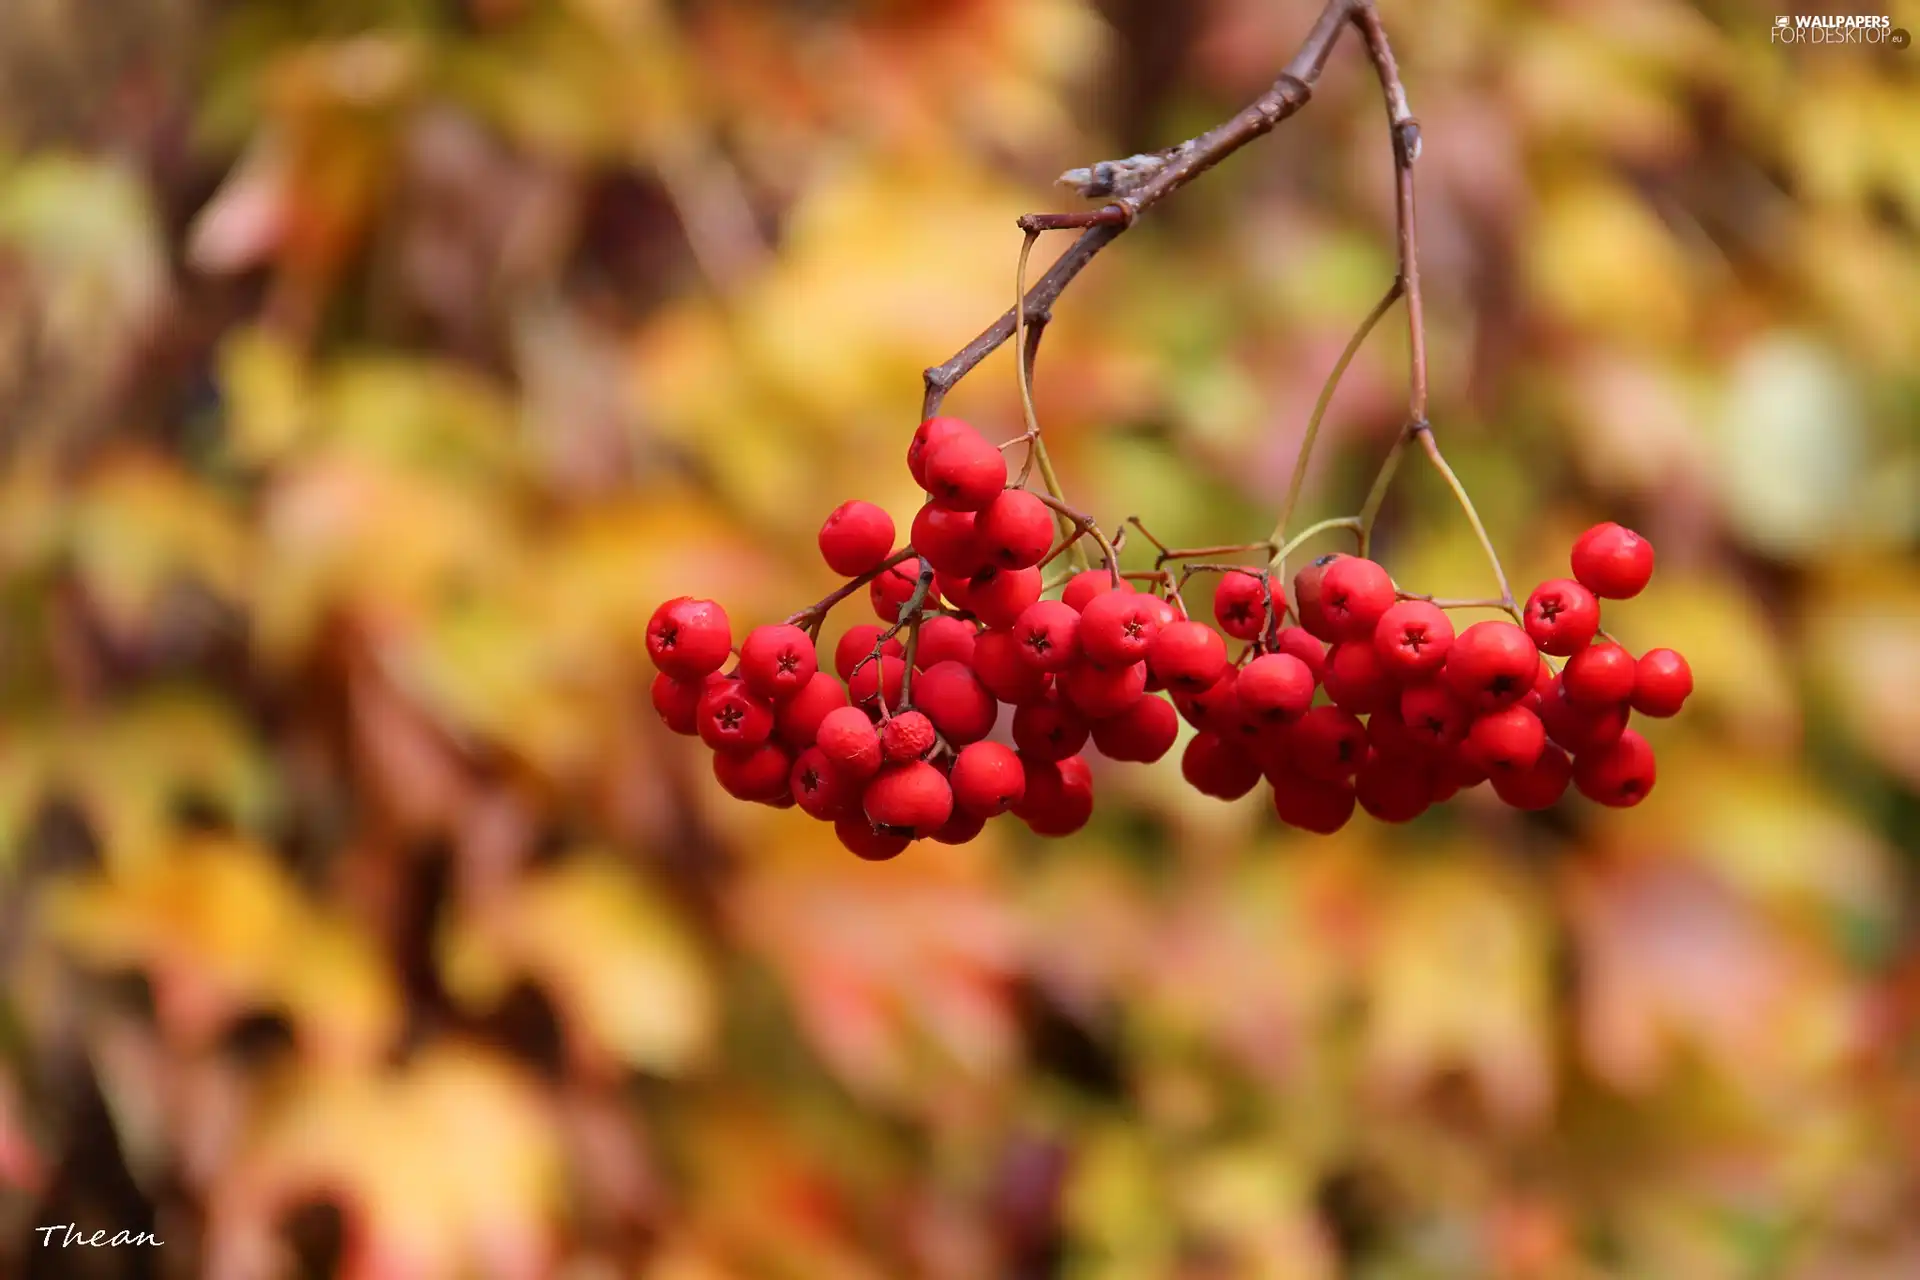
(894, 586)
(952, 588)
(963, 471)
(678, 701)
(948, 540)
(777, 661)
(988, 779)
(908, 798)
(856, 538)
(953, 698)
(961, 828)
(1580, 728)
(1082, 587)
(1216, 767)
(877, 682)
(1048, 635)
(796, 722)
(1100, 692)
(1434, 715)
(924, 437)
(687, 638)
(906, 736)
(1306, 597)
(1358, 679)
(1051, 729)
(1413, 638)
(1059, 797)
(1304, 645)
(1117, 628)
(1389, 736)
(1491, 665)
(1619, 775)
(1327, 743)
(1274, 688)
(1189, 656)
(1562, 617)
(1317, 806)
(1003, 669)
(820, 788)
(858, 835)
(850, 743)
(1015, 530)
(857, 645)
(1141, 734)
(757, 774)
(1354, 594)
(1598, 676)
(943, 639)
(999, 596)
(1662, 682)
(1393, 789)
(1540, 785)
(731, 719)
(1506, 741)
(1613, 562)
(1240, 604)
(1216, 709)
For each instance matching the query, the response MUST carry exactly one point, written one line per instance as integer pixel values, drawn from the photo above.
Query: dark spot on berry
(789, 663)
(669, 636)
(730, 718)
(1502, 684)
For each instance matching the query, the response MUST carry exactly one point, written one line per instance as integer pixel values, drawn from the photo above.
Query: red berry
(1048, 635)
(955, 700)
(1434, 716)
(1189, 656)
(796, 722)
(933, 429)
(904, 737)
(777, 661)
(1052, 729)
(858, 835)
(1100, 692)
(850, 743)
(1216, 767)
(1491, 665)
(1662, 682)
(961, 828)
(1312, 804)
(963, 471)
(1619, 775)
(1082, 587)
(1015, 530)
(1413, 638)
(1240, 604)
(821, 789)
(1389, 736)
(1357, 679)
(732, 719)
(943, 639)
(856, 537)
(1327, 743)
(687, 638)
(1141, 734)
(1579, 728)
(1216, 709)
(1059, 797)
(999, 596)
(1303, 645)
(1598, 676)
(998, 661)
(908, 798)
(1506, 741)
(987, 779)
(1354, 594)
(877, 681)
(1614, 563)
(1562, 616)
(1275, 688)
(678, 701)
(948, 540)
(952, 588)
(1117, 628)
(1393, 790)
(1306, 597)
(1538, 786)
(758, 774)
(857, 644)
(893, 588)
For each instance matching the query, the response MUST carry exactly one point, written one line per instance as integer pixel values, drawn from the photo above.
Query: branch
(1151, 184)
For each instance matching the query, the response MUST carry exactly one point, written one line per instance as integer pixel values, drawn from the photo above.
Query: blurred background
(370, 368)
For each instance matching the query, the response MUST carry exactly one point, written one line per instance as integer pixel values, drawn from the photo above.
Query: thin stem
(1293, 544)
(1473, 518)
(1036, 445)
(1079, 525)
(1377, 492)
(906, 676)
(1298, 480)
(814, 614)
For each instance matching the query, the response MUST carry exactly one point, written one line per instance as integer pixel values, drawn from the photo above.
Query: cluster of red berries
(898, 742)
